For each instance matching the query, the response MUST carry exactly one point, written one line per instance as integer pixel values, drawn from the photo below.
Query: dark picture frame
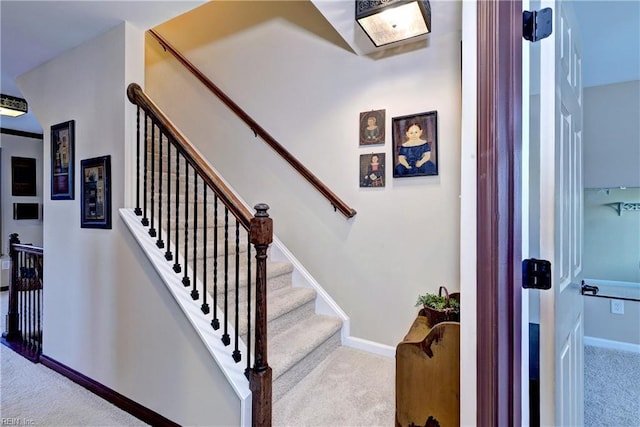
(372, 170)
(26, 211)
(95, 205)
(415, 145)
(23, 176)
(62, 160)
(372, 127)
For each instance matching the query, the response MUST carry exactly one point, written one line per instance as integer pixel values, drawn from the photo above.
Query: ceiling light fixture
(391, 21)
(12, 106)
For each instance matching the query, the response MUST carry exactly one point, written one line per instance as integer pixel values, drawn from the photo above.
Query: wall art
(372, 127)
(95, 206)
(23, 176)
(62, 150)
(372, 170)
(415, 145)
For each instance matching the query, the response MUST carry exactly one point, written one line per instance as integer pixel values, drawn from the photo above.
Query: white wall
(600, 323)
(308, 94)
(612, 135)
(611, 241)
(29, 231)
(106, 313)
(468, 222)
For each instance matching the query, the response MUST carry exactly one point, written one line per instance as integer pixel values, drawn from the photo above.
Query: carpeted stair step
(212, 221)
(285, 307)
(211, 245)
(295, 351)
(278, 276)
(274, 269)
(231, 249)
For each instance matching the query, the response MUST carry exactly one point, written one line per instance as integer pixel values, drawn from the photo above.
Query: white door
(555, 224)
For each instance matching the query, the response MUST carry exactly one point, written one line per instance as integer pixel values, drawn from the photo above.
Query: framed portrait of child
(372, 127)
(415, 145)
(372, 170)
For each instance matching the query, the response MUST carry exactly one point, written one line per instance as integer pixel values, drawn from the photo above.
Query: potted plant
(438, 307)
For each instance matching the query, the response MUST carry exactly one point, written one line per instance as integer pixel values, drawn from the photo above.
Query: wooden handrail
(27, 249)
(335, 201)
(138, 97)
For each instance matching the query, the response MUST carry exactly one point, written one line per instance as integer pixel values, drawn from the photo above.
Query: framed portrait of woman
(372, 127)
(415, 145)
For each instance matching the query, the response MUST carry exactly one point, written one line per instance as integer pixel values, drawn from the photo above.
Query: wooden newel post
(13, 332)
(261, 236)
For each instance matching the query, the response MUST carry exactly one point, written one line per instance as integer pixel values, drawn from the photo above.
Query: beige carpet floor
(349, 388)
(611, 388)
(34, 395)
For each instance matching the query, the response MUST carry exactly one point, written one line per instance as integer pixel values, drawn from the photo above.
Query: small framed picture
(372, 127)
(23, 176)
(415, 145)
(372, 170)
(95, 206)
(62, 146)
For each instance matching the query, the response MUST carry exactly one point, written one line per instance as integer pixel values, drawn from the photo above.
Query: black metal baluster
(32, 301)
(159, 242)
(215, 322)
(204, 307)
(26, 286)
(152, 230)
(185, 279)
(145, 220)
(225, 337)
(249, 281)
(236, 352)
(26, 283)
(167, 255)
(194, 291)
(137, 210)
(23, 328)
(40, 316)
(176, 265)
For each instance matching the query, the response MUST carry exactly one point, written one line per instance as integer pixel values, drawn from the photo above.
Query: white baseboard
(370, 346)
(610, 344)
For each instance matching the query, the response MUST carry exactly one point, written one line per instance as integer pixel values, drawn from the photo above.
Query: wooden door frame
(499, 216)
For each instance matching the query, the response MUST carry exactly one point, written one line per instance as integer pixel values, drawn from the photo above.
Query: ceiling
(33, 32)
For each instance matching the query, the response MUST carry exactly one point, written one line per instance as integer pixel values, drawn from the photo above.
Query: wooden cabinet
(428, 375)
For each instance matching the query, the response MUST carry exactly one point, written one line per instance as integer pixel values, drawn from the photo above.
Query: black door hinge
(536, 274)
(537, 25)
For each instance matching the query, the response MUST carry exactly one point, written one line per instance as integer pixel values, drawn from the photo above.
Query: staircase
(201, 239)
(298, 337)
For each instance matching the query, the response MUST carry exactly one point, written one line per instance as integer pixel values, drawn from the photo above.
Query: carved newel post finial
(261, 210)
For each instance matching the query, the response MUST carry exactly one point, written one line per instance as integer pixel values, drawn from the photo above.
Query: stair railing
(178, 193)
(336, 202)
(24, 312)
